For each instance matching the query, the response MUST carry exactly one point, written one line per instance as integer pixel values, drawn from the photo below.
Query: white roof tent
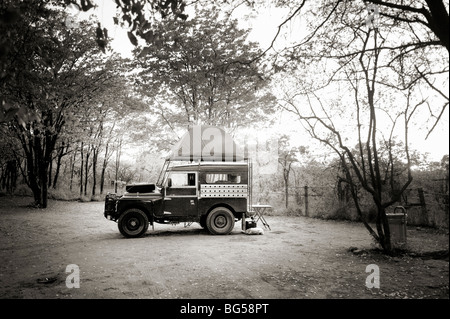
(204, 143)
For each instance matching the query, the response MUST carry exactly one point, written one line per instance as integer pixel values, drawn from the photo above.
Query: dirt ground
(299, 258)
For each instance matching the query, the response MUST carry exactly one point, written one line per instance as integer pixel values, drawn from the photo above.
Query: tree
(93, 131)
(133, 13)
(199, 71)
(429, 15)
(287, 156)
(379, 117)
(415, 46)
(53, 73)
(106, 155)
(9, 163)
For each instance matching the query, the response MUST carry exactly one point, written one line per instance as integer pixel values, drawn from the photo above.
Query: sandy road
(299, 258)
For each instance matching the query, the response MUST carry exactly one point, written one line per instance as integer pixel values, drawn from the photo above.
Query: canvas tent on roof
(206, 143)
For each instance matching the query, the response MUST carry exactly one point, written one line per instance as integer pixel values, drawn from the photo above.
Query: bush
(62, 194)
(370, 215)
(57, 194)
(292, 211)
(85, 198)
(343, 212)
(23, 190)
(98, 198)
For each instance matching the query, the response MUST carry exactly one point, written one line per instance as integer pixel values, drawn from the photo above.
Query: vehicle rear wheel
(220, 221)
(133, 223)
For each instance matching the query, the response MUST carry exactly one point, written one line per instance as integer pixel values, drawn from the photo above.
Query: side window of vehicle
(223, 178)
(182, 179)
(191, 179)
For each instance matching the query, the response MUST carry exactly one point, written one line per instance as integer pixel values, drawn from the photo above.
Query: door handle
(167, 198)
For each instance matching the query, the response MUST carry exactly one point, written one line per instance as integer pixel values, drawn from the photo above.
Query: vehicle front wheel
(220, 221)
(133, 223)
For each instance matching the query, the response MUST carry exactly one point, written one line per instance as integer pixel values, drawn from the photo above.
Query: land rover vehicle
(213, 194)
(206, 179)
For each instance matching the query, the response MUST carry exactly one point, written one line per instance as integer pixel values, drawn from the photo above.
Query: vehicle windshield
(163, 174)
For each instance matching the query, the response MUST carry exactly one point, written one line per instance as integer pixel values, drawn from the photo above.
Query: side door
(181, 194)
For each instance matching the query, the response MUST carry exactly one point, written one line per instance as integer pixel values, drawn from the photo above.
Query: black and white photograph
(226, 158)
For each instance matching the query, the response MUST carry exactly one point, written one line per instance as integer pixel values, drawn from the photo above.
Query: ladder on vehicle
(250, 185)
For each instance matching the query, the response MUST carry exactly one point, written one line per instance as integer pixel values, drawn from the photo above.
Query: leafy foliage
(54, 73)
(201, 71)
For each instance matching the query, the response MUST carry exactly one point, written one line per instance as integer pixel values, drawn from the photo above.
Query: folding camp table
(259, 211)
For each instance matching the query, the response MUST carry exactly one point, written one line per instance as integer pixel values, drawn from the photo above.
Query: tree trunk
(44, 187)
(31, 176)
(105, 163)
(9, 176)
(306, 202)
(118, 152)
(286, 172)
(383, 230)
(438, 21)
(39, 154)
(58, 164)
(36, 168)
(102, 179)
(86, 171)
(50, 168)
(94, 170)
(95, 151)
(286, 191)
(81, 169)
(72, 167)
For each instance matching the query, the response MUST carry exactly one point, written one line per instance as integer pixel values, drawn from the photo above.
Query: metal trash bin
(397, 226)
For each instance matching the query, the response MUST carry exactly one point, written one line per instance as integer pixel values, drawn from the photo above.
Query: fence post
(306, 202)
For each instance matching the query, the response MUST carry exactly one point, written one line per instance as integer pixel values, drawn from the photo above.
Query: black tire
(220, 221)
(133, 223)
